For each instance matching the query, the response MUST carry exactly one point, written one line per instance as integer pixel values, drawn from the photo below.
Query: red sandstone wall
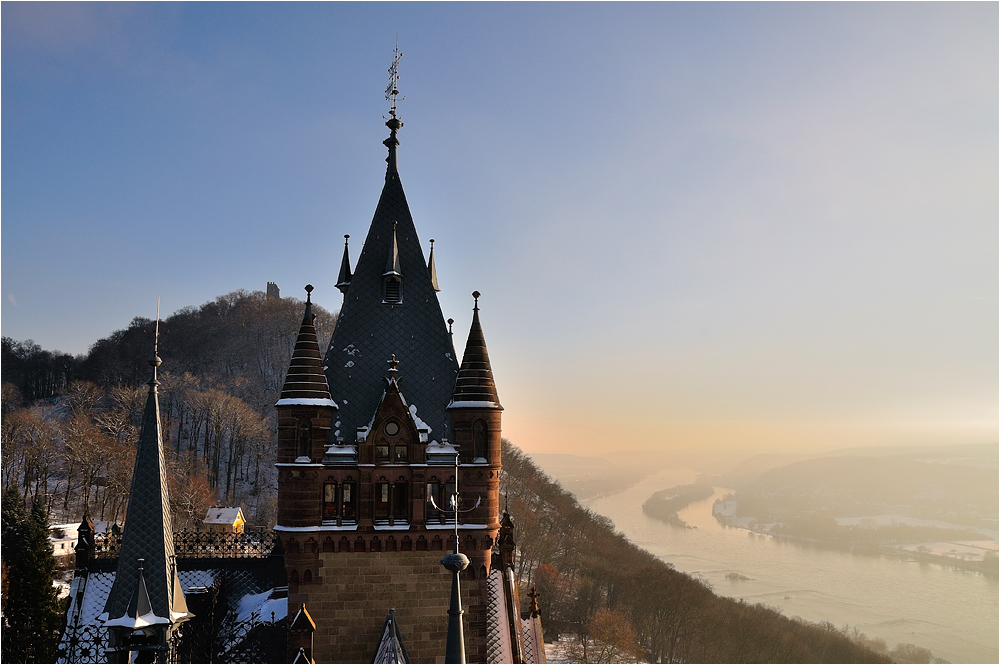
(354, 591)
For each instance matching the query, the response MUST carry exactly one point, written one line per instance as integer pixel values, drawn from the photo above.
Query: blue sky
(756, 226)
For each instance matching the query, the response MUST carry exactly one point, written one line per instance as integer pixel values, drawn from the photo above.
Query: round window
(392, 429)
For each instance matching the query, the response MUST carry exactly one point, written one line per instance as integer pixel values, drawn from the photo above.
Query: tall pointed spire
(475, 378)
(403, 308)
(431, 269)
(305, 382)
(146, 589)
(392, 264)
(344, 279)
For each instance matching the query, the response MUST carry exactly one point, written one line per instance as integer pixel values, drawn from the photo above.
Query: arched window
(479, 439)
(307, 577)
(349, 500)
(401, 500)
(305, 430)
(330, 501)
(382, 499)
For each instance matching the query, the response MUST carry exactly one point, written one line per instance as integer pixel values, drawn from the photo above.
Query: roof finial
(476, 294)
(393, 365)
(393, 123)
(392, 90)
(344, 279)
(155, 361)
(431, 270)
(309, 306)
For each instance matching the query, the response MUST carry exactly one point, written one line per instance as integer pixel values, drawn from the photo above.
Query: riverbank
(960, 555)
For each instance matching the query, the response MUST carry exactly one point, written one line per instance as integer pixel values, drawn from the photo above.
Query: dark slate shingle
(369, 332)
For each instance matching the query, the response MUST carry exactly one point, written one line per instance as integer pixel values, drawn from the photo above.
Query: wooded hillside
(70, 424)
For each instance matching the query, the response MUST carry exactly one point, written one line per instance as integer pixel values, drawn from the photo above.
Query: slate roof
(369, 332)
(305, 379)
(390, 647)
(498, 638)
(223, 515)
(247, 596)
(475, 378)
(148, 532)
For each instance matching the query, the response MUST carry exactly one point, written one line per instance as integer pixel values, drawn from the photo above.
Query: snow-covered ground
(558, 651)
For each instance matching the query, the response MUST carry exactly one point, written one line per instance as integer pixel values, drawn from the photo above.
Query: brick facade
(352, 592)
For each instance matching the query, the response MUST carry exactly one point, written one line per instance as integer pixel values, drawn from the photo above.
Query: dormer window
(393, 290)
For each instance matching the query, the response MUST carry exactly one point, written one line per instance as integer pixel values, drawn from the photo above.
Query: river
(951, 612)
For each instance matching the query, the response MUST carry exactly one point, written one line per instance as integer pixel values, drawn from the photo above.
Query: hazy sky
(763, 226)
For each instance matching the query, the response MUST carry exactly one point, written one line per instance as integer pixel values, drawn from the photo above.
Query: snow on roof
(193, 579)
(147, 619)
(473, 404)
(305, 401)
(223, 515)
(262, 604)
(87, 597)
(60, 533)
(423, 428)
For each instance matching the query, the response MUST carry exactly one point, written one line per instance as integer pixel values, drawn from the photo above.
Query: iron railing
(202, 545)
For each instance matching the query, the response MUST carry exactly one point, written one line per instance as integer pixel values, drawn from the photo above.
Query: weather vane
(156, 333)
(392, 90)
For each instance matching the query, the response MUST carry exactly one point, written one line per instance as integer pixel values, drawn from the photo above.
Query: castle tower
(146, 604)
(475, 417)
(305, 419)
(360, 535)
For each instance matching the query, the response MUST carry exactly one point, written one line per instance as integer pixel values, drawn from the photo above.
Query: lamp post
(455, 562)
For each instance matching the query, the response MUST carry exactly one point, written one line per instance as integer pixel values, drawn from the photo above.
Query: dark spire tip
(476, 294)
(309, 290)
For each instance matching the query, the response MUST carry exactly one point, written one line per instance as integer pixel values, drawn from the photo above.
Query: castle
(388, 458)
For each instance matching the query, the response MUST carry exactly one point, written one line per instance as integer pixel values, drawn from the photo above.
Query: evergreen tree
(31, 617)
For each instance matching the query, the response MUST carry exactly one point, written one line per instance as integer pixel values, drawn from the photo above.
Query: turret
(475, 415)
(146, 604)
(475, 407)
(306, 420)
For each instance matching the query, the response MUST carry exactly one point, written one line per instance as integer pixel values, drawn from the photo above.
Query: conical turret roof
(146, 569)
(305, 382)
(475, 386)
